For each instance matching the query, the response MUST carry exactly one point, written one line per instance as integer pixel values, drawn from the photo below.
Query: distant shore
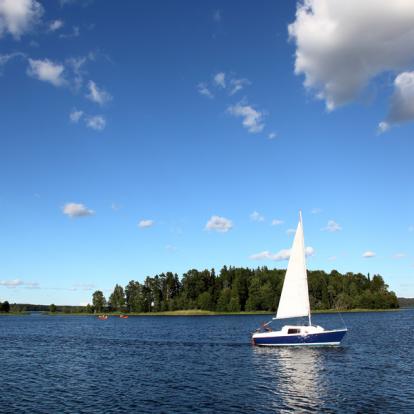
(192, 312)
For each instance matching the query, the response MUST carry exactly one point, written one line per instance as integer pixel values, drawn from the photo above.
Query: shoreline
(195, 312)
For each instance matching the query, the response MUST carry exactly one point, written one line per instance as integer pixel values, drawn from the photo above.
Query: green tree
(204, 301)
(98, 301)
(133, 297)
(117, 298)
(5, 307)
(52, 308)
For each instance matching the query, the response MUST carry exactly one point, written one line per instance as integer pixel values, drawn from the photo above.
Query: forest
(236, 289)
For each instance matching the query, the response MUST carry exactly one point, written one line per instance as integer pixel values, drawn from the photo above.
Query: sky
(143, 137)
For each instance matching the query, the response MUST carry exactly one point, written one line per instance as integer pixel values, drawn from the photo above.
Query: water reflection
(294, 377)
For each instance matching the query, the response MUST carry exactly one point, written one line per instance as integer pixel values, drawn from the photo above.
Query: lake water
(69, 364)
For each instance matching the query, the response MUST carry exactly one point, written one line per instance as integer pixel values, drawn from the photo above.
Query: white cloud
(203, 90)
(399, 255)
(96, 122)
(368, 254)
(256, 216)
(237, 85)
(19, 16)
(280, 255)
(55, 25)
(316, 210)
(289, 232)
(97, 95)
(402, 102)
(272, 135)
(75, 116)
(277, 222)
(143, 224)
(77, 210)
(252, 118)
(219, 224)
(47, 71)
(220, 80)
(332, 227)
(342, 45)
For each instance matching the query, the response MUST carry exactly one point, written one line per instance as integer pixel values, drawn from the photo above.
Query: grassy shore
(198, 312)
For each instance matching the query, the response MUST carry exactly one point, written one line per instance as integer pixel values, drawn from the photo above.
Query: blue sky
(160, 136)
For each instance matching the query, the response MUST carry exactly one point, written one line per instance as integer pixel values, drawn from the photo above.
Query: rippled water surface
(69, 364)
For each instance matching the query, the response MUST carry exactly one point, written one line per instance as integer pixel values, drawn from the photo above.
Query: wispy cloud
(277, 222)
(332, 258)
(316, 210)
(332, 227)
(217, 16)
(219, 224)
(144, 224)
(280, 255)
(75, 210)
(75, 116)
(84, 286)
(97, 95)
(55, 25)
(368, 254)
(253, 120)
(272, 135)
(13, 283)
(47, 71)
(220, 80)
(96, 122)
(74, 33)
(225, 82)
(6, 58)
(399, 255)
(18, 17)
(290, 232)
(256, 216)
(236, 85)
(204, 91)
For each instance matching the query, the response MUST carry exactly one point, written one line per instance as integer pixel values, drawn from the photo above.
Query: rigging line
(340, 314)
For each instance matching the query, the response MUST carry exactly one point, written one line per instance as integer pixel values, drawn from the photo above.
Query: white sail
(294, 300)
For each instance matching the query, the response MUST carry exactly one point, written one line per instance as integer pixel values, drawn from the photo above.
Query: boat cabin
(300, 330)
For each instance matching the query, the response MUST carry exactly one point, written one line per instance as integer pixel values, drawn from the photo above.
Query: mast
(303, 247)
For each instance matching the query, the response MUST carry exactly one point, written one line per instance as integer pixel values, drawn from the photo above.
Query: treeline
(406, 302)
(243, 289)
(7, 307)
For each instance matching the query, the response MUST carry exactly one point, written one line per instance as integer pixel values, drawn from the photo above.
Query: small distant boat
(123, 316)
(294, 303)
(103, 317)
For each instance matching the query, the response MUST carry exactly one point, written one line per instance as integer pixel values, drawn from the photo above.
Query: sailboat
(294, 303)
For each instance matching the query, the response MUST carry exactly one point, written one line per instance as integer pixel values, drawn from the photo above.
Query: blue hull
(323, 338)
